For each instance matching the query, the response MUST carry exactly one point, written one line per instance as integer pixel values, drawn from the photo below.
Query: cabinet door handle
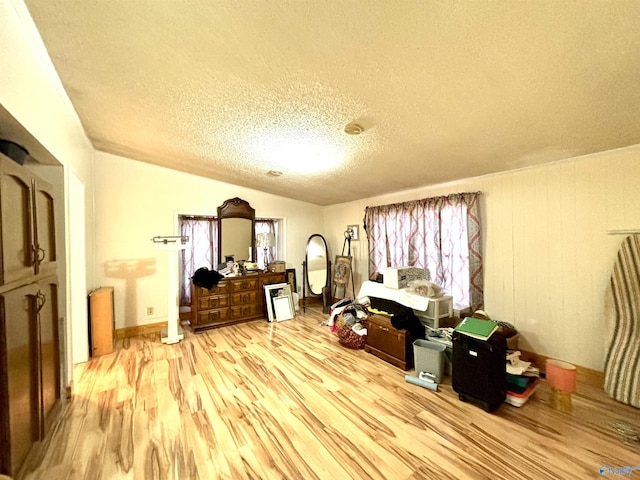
(38, 254)
(41, 299)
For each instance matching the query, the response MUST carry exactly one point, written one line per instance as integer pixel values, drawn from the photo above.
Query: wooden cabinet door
(47, 342)
(16, 227)
(45, 228)
(19, 397)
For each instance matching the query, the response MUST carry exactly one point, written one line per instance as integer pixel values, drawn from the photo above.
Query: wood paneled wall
(548, 254)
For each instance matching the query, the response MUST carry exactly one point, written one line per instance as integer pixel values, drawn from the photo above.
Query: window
(266, 225)
(202, 251)
(441, 234)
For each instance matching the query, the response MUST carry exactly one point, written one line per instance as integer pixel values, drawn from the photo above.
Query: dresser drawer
(208, 317)
(245, 311)
(243, 285)
(213, 301)
(244, 297)
(269, 279)
(221, 289)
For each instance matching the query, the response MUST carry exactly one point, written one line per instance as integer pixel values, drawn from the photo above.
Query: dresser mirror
(236, 231)
(316, 267)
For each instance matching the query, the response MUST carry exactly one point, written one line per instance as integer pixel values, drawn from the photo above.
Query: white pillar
(173, 333)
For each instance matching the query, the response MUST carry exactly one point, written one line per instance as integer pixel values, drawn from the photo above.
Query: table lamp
(561, 377)
(266, 241)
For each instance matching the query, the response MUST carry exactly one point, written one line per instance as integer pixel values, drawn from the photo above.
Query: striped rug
(622, 360)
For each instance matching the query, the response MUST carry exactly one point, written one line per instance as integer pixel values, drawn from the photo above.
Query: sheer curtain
(442, 234)
(266, 225)
(202, 250)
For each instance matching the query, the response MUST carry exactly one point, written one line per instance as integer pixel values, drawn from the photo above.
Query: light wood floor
(286, 401)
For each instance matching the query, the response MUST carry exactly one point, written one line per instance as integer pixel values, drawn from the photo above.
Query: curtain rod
(426, 198)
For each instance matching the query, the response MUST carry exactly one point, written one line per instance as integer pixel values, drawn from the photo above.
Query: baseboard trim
(584, 376)
(146, 329)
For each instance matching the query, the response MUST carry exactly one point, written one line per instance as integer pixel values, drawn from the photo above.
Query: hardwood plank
(286, 400)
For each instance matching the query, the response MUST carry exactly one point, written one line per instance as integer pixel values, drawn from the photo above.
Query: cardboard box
(277, 266)
(399, 277)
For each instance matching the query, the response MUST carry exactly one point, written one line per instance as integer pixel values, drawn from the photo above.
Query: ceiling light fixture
(353, 129)
(274, 173)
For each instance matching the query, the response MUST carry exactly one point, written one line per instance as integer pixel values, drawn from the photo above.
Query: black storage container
(15, 152)
(479, 370)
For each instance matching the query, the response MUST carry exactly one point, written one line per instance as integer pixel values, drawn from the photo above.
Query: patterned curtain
(386, 229)
(201, 252)
(442, 234)
(474, 236)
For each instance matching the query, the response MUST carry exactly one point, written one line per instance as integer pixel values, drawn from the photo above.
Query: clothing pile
(350, 324)
(205, 278)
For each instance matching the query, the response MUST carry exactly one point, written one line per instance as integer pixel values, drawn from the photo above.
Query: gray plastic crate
(429, 357)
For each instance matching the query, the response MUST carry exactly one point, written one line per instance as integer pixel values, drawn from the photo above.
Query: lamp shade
(561, 375)
(265, 240)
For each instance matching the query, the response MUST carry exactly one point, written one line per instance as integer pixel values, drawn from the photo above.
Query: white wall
(548, 256)
(30, 91)
(136, 201)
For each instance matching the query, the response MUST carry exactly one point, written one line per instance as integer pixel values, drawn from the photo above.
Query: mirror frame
(236, 208)
(306, 286)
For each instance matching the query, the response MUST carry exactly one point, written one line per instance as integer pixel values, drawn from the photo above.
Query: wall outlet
(150, 311)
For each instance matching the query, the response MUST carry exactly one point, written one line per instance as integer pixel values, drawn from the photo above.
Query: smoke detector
(353, 129)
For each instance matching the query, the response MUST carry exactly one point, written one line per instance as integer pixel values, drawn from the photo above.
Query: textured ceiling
(231, 89)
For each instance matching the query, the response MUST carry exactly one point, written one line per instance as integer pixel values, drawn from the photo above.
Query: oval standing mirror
(316, 268)
(236, 230)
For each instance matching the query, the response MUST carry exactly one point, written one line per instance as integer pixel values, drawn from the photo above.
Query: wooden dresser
(388, 343)
(233, 300)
